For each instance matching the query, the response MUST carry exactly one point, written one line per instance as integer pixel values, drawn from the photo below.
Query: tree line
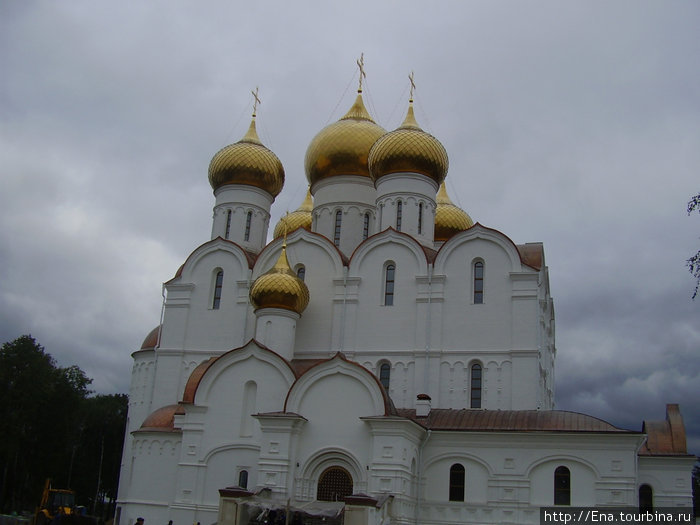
(53, 426)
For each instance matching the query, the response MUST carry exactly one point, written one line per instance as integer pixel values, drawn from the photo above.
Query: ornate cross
(413, 86)
(256, 101)
(361, 65)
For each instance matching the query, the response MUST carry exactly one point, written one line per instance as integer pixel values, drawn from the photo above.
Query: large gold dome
(408, 149)
(279, 287)
(247, 162)
(300, 218)
(449, 219)
(342, 147)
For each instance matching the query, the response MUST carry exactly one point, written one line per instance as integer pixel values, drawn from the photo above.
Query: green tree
(694, 262)
(52, 427)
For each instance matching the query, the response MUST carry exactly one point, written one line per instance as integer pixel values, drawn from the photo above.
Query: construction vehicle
(57, 507)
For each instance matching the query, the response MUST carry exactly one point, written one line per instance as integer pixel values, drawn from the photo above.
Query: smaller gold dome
(342, 148)
(449, 219)
(279, 287)
(409, 149)
(247, 162)
(300, 218)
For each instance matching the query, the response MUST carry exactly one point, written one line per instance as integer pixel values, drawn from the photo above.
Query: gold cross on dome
(256, 101)
(413, 86)
(361, 65)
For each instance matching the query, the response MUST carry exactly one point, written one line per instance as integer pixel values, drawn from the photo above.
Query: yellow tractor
(57, 506)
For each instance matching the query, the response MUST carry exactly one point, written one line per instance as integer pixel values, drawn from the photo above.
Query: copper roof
(665, 438)
(151, 339)
(509, 421)
(162, 420)
(531, 254)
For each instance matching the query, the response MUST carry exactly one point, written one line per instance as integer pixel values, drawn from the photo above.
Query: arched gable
(298, 243)
(388, 237)
(461, 455)
(203, 377)
(478, 231)
(186, 272)
(339, 365)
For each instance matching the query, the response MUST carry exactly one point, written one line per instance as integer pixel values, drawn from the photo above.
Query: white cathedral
(383, 360)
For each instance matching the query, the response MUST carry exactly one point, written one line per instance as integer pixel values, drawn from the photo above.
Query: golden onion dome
(247, 162)
(279, 287)
(449, 219)
(342, 148)
(300, 218)
(408, 149)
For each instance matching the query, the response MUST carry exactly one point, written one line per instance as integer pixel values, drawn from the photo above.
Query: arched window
(248, 219)
(228, 224)
(420, 218)
(478, 282)
(243, 479)
(248, 408)
(218, 286)
(646, 498)
(385, 375)
(301, 272)
(457, 482)
(365, 227)
(335, 484)
(562, 486)
(338, 220)
(389, 274)
(399, 215)
(476, 386)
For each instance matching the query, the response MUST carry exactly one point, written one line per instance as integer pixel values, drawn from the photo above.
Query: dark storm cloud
(575, 124)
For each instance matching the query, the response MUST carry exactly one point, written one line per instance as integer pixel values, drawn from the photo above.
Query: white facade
(224, 396)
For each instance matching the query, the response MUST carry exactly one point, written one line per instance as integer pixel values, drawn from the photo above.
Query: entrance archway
(334, 484)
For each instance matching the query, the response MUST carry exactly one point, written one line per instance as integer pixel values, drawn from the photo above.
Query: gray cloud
(573, 124)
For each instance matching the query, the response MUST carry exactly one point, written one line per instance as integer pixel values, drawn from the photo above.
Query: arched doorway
(334, 484)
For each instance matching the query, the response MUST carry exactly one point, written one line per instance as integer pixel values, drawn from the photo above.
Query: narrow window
(478, 282)
(243, 479)
(228, 224)
(218, 285)
(476, 386)
(365, 227)
(562, 486)
(420, 218)
(399, 214)
(456, 482)
(301, 272)
(248, 404)
(338, 220)
(248, 218)
(646, 498)
(384, 375)
(389, 285)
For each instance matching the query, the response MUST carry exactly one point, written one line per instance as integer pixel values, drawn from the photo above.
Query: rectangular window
(478, 282)
(389, 285)
(338, 221)
(248, 218)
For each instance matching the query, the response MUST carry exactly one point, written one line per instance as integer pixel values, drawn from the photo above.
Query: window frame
(338, 227)
(217, 289)
(399, 215)
(478, 273)
(457, 482)
(480, 388)
(562, 486)
(227, 234)
(385, 367)
(389, 283)
(248, 221)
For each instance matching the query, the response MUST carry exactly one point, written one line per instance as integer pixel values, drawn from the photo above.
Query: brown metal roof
(665, 438)
(162, 420)
(531, 254)
(151, 339)
(509, 421)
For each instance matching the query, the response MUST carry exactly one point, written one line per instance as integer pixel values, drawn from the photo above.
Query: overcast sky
(576, 124)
